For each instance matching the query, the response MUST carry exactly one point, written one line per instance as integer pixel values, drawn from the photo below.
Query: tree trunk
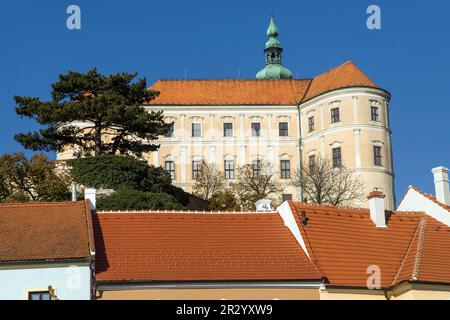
(98, 140)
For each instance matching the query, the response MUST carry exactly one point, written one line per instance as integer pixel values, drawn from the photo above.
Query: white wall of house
(70, 281)
(414, 201)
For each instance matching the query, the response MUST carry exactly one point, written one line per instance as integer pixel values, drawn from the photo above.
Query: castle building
(341, 115)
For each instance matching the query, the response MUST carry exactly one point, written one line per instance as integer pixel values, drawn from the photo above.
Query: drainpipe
(300, 149)
(391, 151)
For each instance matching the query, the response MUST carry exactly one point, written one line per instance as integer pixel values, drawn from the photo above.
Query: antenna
(239, 73)
(185, 73)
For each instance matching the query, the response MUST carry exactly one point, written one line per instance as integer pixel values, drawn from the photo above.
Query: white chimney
(377, 209)
(74, 192)
(90, 194)
(441, 185)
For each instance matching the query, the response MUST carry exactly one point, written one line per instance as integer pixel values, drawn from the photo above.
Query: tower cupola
(273, 51)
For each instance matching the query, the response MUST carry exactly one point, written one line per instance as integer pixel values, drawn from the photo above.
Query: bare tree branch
(323, 184)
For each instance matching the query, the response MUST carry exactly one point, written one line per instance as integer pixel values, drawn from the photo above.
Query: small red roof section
(344, 76)
(39, 231)
(186, 246)
(344, 243)
(257, 92)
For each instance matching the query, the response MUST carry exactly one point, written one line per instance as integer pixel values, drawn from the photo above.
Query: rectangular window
(377, 156)
(196, 165)
(311, 124)
(42, 295)
(229, 169)
(285, 169)
(170, 130)
(312, 163)
(286, 197)
(375, 114)
(256, 168)
(283, 129)
(335, 117)
(196, 129)
(227, 129)
(256, 129)
(169, 166)
(337, 159)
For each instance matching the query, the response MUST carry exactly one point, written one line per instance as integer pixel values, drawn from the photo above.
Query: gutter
(128, 285)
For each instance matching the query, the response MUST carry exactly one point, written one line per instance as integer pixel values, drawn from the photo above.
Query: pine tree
(94, 114)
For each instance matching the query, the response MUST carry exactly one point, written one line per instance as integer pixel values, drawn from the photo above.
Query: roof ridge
(236, 79)
(39, 203)
(181, 212)
(330, 206)
(408, 251)
(419, 251)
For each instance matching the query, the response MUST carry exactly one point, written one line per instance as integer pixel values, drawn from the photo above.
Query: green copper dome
(273, 42)
(274, 72)
(274, 68)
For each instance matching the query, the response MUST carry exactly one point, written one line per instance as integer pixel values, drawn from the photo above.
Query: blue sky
(409, 56)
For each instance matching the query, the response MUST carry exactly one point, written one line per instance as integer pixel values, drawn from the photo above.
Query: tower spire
(273, 50)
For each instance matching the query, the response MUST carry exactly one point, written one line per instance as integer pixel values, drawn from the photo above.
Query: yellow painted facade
(356, 134)
(405, 291)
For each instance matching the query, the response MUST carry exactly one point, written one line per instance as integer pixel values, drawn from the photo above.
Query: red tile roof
(45, 231)
(229, 92)
(257, 92)
(346, 75)
(184, 246)
(343, 243)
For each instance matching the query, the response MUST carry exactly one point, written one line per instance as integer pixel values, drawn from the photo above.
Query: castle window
(377, 156)
(169, 166)
(285, 169)
(312, 163)
(227, 129)
(170, 130)
(196, 129)
(283, 129)
(375, 116)
(256, 168)
(335, 116)
(311, 124)
(337, 157)
(286, 197)
(229, 169)
(196, 166)
(41, 295)
(256, 129)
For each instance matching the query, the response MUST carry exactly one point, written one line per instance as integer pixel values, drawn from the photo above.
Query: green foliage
(116, 172)
(111, 172)
(33, 179)
(224, 201)
(129, 199)
(108, 106)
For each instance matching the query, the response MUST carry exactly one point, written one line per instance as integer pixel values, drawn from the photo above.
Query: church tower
(274, 68)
